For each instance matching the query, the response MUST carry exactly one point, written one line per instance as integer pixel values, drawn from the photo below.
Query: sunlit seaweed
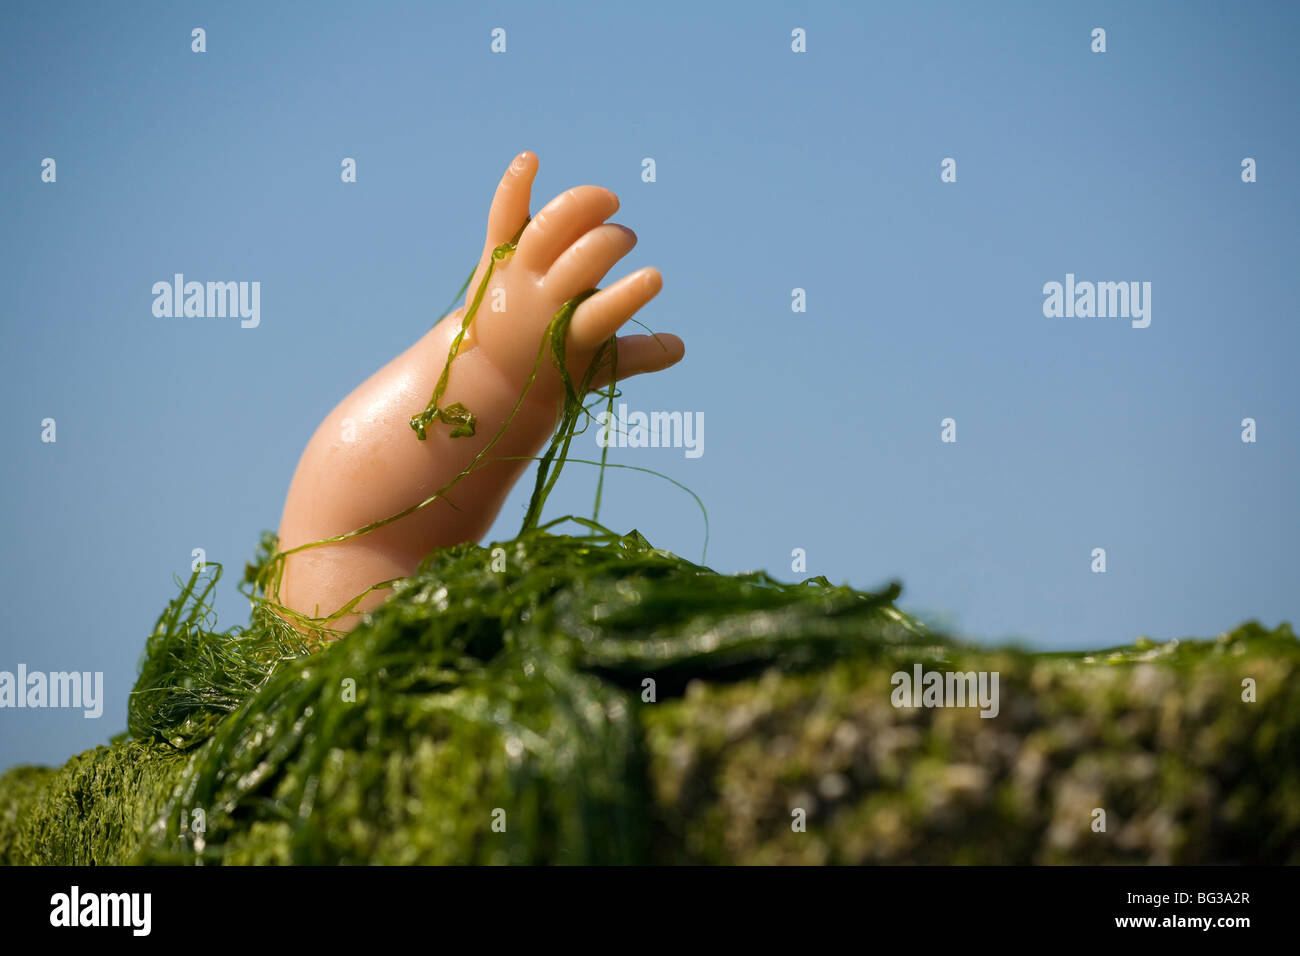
(584, 697)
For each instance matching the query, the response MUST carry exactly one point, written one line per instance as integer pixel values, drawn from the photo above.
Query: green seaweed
(462, 419)
(585, 697)
(532, 663)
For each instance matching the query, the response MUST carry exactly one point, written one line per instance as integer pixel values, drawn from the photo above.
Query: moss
(1159, 738)
(94, 810)
(517, 697)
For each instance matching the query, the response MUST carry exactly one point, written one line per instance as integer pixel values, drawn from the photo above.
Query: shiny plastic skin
(364, 463)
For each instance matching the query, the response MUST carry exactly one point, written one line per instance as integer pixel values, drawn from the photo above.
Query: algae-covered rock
(95, 809)
(595, 700)
(1160, 739)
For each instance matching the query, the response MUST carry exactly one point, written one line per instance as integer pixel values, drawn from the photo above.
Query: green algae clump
(588, 698)
(591, 699)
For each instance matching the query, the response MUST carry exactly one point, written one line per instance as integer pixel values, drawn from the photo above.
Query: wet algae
(602, 701)
(584, 697)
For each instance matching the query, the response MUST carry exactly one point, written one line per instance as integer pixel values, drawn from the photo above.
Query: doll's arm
(365, 463)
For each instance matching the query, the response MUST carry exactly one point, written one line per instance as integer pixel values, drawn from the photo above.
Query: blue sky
(775, 170)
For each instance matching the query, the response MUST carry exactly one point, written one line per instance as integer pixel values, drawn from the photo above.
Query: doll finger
(509, 208)
(638, 354)
(585, 262)
(561, 222)
(602, 315)
(507, 214)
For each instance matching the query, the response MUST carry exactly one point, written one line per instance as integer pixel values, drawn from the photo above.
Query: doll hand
(563, 251)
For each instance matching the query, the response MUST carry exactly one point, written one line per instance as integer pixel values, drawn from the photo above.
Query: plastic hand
(364, 465)
(566, 249)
